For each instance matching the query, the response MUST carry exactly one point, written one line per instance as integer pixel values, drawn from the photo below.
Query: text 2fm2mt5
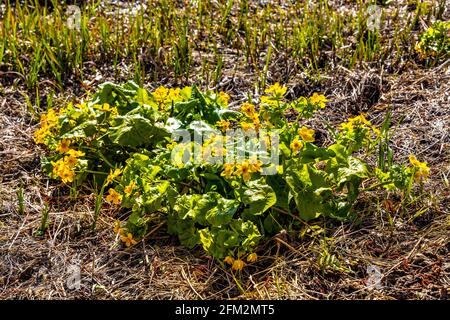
(227, 309)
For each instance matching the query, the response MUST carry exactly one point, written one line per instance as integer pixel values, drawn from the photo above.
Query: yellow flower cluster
(125, 237)
(223, 125)
(276, 90)
(249, 111)
(223, 98)
(164, 96)
(239, 264)
(47, 122)
(422, 171)
(64, 167)
(63, 146)
(318, 99)
(358, 121)
(306, 135)
(243, 169)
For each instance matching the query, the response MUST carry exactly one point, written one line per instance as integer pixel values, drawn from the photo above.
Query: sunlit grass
(159, 37)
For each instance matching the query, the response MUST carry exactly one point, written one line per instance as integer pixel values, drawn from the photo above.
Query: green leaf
(143, 97)
(281, 190)
(185, 230)
(223, 212)
(86, 129)
(258, 196)
(303, 184)
(248, 231)
(271, 224)
(312, 153)
(110, 92)
(136, 130)
(227, 114)
(356, 169)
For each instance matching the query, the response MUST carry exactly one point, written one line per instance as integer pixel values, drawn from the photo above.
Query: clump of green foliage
(123, 141)
(434, 43)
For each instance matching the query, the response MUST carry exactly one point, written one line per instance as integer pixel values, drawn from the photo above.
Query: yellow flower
(255, 165)
(129, 188)
(228, 169)
(296, 145)
(247, 126)
(358, 120)
(414, 161)
(256, 121)
(376, 130)
(244, 170)
(160, 94)
(63, 146)
(238, 264)
(75, 153)
(171, 145)
(422, 169)
(228, 260)
(224, 98)
(318, 99)
(348, 126)
(58, 167)
(128, 240)
(112, 175)
(63, 170)
(117, 229)
(174, 94)
(52, 118)
(276, 90)
(268, 100)
(41, 134)
(252, 257)
(223, 124)
(71, 161)
(66, 175)
(418, 48)
(84, 107)
(306, 134)
(107, 108)
(248, 109)
(44, 120)
(114, 196)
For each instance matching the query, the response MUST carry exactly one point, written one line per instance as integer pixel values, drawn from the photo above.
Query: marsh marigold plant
(122, 140)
